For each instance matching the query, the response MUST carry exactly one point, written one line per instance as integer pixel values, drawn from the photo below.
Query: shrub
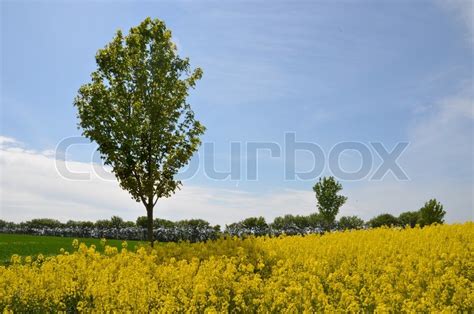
(350, 222)
(409, 219)
(383, 220)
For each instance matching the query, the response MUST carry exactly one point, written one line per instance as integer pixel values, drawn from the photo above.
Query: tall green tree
(328, 200)
(135, 109)
(432, 212)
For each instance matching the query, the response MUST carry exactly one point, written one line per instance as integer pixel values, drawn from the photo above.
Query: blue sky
(330, 71)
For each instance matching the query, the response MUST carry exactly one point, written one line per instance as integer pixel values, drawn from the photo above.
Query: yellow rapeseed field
(397, 270)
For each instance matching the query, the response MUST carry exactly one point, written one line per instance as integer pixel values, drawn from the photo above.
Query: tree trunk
(149, 211)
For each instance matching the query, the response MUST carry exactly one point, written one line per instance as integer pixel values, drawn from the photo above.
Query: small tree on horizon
(409, 218)
(432, 212)
(116, 222)
(328, 200)
(135, 109)
(350, 222)
(383, 220)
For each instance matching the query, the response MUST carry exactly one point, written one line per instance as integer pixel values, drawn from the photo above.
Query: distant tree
(163, 223)
(282, 222)
(135, 109)
(193, 223)
(350, 222)
(86, 224)
(72, 223)
(44, 223)
(409, 219)
(142, 221)
(117, 222)
(432, 212)
(383, 220)
(290, 224)
(301, 221)
(328, 200)
(233, 229)
(79, 224)
(11, 225)
(3, 223)
(129, 224)
(195, 229)
(249, 226)
(103, 224)
(315, 221)
(256, 225)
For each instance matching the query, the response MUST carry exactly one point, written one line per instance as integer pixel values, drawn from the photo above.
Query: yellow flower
(75, 243)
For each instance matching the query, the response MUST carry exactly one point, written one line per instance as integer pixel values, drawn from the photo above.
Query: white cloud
(31, 187)
(463, 10)
(6, 141)
(442, 137)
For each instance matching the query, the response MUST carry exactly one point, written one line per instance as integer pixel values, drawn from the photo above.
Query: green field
(26, 245)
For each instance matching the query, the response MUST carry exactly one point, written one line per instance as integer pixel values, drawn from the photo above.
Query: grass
(30, 245)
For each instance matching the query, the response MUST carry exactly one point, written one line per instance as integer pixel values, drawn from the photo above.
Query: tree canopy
(350, 222)
(410, 218)
(383, 220)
